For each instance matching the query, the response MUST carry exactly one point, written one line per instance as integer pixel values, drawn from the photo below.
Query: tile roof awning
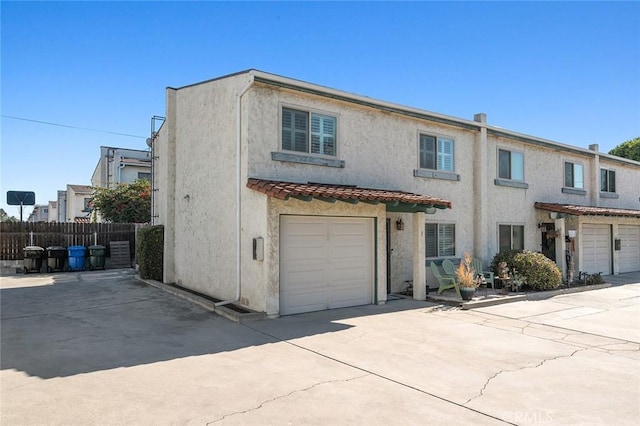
(396, 201)
(575, 210)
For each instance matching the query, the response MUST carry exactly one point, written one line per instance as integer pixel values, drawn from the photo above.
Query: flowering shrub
(128, 203)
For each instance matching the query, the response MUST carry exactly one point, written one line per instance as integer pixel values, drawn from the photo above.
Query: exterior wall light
(400, 225)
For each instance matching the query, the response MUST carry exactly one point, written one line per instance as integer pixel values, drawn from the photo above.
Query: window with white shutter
(436, 153)
(301, 127)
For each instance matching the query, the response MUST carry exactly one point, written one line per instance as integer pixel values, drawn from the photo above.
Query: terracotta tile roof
(349, 193)
(586, 210)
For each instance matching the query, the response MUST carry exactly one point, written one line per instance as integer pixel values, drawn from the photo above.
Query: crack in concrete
(284, 396)
(540, 364)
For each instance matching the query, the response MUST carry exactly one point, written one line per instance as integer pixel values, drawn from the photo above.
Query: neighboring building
(62, 206)
(284, 196)
(39, 214)
(78, 203)
(121, 165)
(53, 211)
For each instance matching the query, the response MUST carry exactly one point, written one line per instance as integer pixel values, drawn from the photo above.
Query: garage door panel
(348, 229)
(305, 254)
(629, 254)
(596, 246)
(325, 263)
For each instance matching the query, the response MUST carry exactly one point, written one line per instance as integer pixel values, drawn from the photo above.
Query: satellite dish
(149, 142)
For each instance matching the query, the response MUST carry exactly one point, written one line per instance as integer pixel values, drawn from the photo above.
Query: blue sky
(565, 71)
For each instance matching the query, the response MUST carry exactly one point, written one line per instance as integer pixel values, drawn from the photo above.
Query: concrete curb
(225, 311)
(539, 295)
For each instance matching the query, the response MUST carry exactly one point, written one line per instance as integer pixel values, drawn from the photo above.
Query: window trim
(511, 225)
(282, 106)
(455, 240)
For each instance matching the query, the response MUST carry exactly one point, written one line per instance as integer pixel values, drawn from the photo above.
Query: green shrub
(503, 256)
(149, 251)
(594, 279)
(540, 272)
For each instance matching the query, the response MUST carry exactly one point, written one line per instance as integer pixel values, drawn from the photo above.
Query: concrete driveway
(102, 348)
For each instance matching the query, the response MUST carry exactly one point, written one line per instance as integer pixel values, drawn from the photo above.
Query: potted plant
(466, 277)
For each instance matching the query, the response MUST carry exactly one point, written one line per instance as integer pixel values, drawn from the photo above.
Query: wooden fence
(15, 236)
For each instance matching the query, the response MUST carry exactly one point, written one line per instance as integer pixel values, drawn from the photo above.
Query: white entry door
(325, 263)
(596, 246)
(629, 257)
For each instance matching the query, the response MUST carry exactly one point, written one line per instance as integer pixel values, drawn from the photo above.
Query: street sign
(21, 198)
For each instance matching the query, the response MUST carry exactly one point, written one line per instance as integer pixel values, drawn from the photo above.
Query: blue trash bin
(76, 258)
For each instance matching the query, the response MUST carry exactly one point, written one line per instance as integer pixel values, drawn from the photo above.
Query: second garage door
(596, 245)
(325, 263)
(629, 248)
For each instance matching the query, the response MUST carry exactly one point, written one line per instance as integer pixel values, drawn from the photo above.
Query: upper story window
(607, 180)
(436, 153)
(86, 207)
(510, 237)
(308, 132)
(440, 239)
(573, 175)
(510, 165)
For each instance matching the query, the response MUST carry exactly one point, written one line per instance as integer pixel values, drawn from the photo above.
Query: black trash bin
(32, 258)
(96, 257)
(56, 257)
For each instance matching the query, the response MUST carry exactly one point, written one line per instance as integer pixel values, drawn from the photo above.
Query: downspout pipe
(238, 189)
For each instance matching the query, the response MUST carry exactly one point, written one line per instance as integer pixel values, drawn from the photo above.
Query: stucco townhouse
(284, 196)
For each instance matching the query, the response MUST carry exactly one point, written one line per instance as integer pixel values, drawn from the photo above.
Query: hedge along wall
(149, 251)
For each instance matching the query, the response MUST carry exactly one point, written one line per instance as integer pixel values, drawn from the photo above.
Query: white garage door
(629, 248)
(596, 246)
(325, 263)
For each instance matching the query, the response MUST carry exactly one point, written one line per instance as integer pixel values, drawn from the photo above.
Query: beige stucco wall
(75, 203)
(380, 150)
(195, 197)
(196, 150)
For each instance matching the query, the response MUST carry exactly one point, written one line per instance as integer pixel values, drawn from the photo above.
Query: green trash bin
(97, 256)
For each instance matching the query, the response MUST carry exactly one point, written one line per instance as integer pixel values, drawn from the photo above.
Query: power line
(72, 127)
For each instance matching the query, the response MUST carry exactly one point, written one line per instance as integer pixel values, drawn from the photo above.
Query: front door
(549, 240)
